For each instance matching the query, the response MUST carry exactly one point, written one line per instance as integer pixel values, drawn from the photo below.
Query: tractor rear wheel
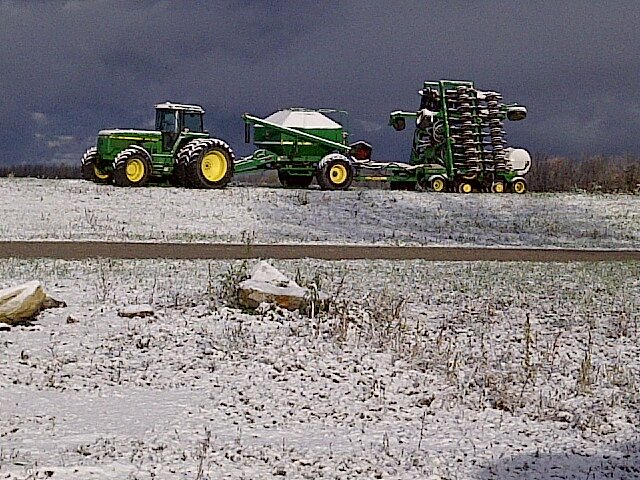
(294, 181)
(132, 167)
(209, 164)
(334, 172)
(90, 170)
(179, 175)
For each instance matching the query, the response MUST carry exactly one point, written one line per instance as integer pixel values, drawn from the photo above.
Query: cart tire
(465, 187)
(498, 187)
(209, 164)
(294, 181)
(438, 184)
(90, 170)
(334, 172)
(132, 167)
(519, 186)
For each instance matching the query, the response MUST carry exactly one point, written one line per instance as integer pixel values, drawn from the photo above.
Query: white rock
(21, 303)
(130, 311)
(268, 285)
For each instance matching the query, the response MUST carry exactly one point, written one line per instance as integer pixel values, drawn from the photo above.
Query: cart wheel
(334, 172)
(519, 186)
(294, 181)
(497, 187)
(465, 187)
(438, 184)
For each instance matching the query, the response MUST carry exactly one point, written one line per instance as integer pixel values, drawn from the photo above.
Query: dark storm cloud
(71, 68)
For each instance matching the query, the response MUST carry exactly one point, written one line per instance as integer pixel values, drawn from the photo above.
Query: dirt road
(134, 250)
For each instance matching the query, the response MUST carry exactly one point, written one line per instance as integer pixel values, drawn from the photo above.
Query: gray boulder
(23, 302)
(268, 285)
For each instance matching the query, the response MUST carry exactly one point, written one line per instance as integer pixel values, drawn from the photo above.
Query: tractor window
(166, 121)
(193, 121)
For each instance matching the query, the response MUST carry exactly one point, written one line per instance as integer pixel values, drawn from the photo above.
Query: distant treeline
(590, 174)
(56, 170)
(548, 174)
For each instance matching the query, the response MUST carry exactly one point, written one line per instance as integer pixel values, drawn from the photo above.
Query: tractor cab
(172, 119)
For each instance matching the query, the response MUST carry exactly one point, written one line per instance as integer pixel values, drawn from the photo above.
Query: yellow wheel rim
(214, 166)
(498, 187)
(135, 170)
(519, 187)
(438, 185)
(338, 174)
(99, 174)
(465, 188)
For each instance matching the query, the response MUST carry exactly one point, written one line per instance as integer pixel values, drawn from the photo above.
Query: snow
(425, 370)
(302, 119)
(118, 131)
(75, 209)
(180, 106)
(419, 370)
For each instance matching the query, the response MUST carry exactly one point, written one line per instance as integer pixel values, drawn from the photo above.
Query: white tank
(518, 159)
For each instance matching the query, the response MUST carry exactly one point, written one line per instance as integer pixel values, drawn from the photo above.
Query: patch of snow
(74, 209)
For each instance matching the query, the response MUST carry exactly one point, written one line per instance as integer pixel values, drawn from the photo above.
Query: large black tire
(294, 181)
(179, 177)
(209, 164)
(132, 167)
(90, 170)
(334, 172)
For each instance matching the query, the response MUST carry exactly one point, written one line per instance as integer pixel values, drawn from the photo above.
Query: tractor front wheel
(90, 170)
(334, 172)
(132, 168)
(209, 164)
(294, 181)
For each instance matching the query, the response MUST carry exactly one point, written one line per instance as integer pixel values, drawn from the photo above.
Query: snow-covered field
(419, 370)
(464, 370)
(74, 209)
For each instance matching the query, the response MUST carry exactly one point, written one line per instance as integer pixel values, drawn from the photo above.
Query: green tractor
(179, 150)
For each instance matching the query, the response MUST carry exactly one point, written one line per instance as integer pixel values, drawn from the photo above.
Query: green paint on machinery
(179, 150)
(458, 141)
(303, 144)
(458, 145)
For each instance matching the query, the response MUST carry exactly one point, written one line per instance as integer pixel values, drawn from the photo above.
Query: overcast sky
(71, 68)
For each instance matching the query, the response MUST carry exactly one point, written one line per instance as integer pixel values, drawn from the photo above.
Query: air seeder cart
(178, 150)
(303, 144)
